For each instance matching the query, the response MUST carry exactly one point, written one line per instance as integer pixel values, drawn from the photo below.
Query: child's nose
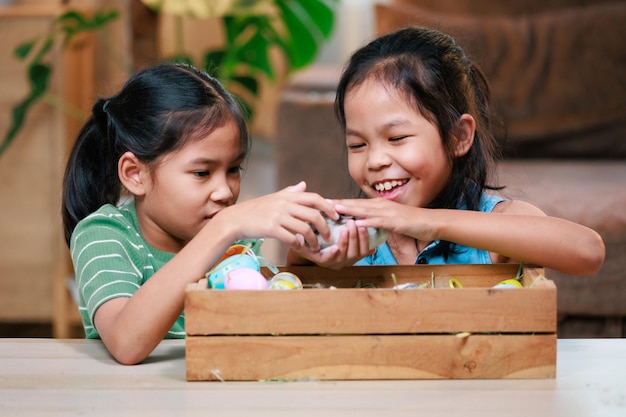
(222, 191)
(377, 158)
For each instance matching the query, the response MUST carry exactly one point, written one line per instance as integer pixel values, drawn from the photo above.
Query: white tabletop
(48, 377)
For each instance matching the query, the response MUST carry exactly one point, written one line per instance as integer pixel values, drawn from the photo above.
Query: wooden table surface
(52, 377)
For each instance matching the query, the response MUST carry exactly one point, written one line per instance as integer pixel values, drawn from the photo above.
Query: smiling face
(189, 186)
(393, 151)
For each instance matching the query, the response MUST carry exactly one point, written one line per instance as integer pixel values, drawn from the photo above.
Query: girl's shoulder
(124, 213)
(518, 207)
(115, 229)
(106, 222)
(488, 202)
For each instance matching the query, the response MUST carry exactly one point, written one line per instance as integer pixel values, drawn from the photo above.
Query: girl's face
(190, 186)
(393, 151)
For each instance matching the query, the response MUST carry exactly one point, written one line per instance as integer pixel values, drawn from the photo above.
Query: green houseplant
(36, 54)
(252, 30)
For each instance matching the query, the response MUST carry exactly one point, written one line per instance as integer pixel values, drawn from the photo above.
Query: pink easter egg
(245, 279)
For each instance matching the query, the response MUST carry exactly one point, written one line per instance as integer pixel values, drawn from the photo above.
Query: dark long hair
(156, 112)
(435, 76)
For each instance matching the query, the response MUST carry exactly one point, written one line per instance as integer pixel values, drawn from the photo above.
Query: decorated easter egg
(454, 283)
(235, 249)
(285, 281)
(217, 275)
(376, 236)
(245, 279)
(508, 283)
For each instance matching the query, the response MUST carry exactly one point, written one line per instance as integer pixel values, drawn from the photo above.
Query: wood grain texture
(370, 357)
(54, 377)
(352, 332)
(473, 308)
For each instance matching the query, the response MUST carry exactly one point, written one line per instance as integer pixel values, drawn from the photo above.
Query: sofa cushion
(558, 78)
(498, 8)
(591, 193)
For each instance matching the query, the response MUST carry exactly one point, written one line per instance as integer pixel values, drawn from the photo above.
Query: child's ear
(132, 173)
(464, 134)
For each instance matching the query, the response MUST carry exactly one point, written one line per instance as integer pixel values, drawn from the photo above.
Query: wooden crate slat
(372, 311)
(370, 357)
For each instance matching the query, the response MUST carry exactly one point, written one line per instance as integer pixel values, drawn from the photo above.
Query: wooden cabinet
(33, 255)
(30, 178)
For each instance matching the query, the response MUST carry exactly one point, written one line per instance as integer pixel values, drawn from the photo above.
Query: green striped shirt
(111, 260)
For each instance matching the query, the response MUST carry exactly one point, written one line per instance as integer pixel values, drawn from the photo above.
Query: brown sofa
(558, 74)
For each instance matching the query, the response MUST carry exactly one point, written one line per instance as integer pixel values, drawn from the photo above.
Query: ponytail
(91, 178)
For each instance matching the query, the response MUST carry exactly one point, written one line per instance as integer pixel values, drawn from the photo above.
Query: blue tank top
(430, 255)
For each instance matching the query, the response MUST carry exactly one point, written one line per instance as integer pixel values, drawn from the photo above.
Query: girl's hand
(389, 215)
(287, 215)
(513, 232)
(352, 245)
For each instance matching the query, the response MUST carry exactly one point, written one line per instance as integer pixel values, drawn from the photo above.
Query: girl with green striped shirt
(149, 204)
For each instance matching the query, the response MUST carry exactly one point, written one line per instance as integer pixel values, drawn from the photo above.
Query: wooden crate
(359, 332)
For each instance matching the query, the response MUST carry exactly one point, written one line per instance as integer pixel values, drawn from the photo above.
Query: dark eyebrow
(207, 161)
(203, 161)
(399, 121)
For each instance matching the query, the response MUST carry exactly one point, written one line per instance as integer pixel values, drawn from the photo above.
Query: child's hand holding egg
(376, 236)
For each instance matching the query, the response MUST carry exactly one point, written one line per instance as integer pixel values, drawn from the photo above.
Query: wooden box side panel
(370, 357)
(370, 311)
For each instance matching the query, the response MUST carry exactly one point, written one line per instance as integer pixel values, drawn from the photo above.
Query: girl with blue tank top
(419, 134)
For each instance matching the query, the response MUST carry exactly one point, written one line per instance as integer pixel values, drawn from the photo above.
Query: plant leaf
(308, 24)
(73, 22)
(254, 53)
(38, 72)
(72, 17)
(22, 50)
(234, 26)
(39, 75)
(45, 48)
(249, 83)
(213, 61)
(321, 14)
(80, 22)
(102, 18)
(301, 44)
(17, 120)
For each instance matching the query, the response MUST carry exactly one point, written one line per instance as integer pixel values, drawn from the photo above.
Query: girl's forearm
(131, 328)
(548, 241)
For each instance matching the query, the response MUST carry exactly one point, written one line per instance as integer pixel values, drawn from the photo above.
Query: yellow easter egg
(508, 283)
